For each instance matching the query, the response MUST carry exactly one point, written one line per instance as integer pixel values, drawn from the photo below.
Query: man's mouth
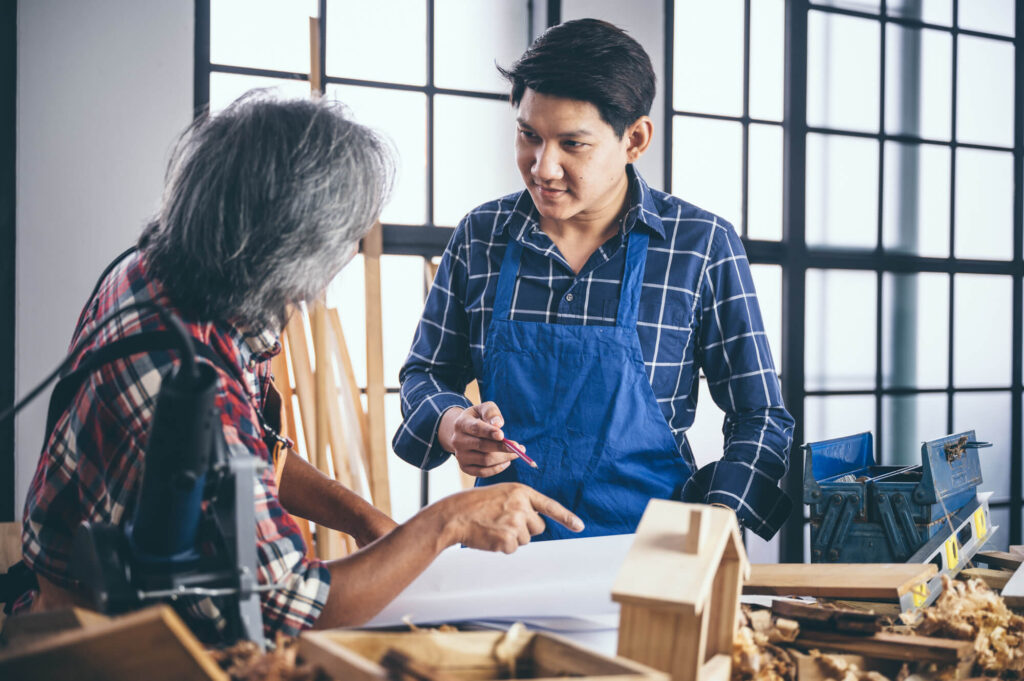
(549, 192)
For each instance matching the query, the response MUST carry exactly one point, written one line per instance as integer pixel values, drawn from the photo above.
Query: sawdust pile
(755, 653)
(971, 611)
(244, 661)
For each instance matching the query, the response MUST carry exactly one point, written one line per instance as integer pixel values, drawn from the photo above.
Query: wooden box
(465, 655)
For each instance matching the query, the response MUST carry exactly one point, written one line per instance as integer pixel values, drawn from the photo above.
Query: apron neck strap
(507, 279)
(632, 277)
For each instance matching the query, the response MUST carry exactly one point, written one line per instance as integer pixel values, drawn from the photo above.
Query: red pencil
(516, 450)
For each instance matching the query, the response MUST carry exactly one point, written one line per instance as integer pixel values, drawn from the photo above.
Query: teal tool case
(862, 512)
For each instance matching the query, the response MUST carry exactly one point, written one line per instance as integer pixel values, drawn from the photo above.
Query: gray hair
(263, 202)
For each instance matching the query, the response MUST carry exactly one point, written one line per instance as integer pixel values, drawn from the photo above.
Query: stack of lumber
(969, 631)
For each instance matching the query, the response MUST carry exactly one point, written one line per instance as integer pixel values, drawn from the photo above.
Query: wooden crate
(465, 655)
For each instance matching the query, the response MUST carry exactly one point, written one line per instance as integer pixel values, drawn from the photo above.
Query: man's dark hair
(591, 61)
(263, 203)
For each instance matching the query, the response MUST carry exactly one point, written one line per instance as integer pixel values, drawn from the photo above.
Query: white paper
(569, 578)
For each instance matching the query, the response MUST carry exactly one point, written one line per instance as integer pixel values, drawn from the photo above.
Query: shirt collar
(642, 210)
(255, 346)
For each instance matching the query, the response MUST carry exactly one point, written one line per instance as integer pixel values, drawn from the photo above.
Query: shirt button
(568, 297)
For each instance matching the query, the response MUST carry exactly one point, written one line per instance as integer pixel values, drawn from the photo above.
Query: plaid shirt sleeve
(302, 584)
(439, 365)
(732, 349)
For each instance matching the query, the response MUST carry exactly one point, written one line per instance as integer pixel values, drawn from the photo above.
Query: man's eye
(527, 134)
(573, 144)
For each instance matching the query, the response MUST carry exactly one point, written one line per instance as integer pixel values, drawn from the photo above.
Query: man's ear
(639, 136)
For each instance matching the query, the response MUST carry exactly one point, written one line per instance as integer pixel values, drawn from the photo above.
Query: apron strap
(507, 280)
(632, 277)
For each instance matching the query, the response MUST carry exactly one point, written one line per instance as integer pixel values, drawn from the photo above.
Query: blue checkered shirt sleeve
(732, 350)
(439, 366)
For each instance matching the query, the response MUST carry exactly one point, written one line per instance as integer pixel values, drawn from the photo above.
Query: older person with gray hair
(264, 204)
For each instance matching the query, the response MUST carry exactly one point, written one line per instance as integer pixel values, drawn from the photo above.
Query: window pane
(1000, 519)
(840, 330)
(402, 118)
(768, 284)
(842, 72)
(915, 210)
(767, 55)
(471, 36)
(918, 82)
(932, 11)
(764, 182)
(403, 284)
(705, 435)
(473, 157)
(915, 338)
(347, 293)
(908, 421)
(990, 16)
(364, 40)
(842, 191)
(706, 164)
(984, 97)
(837, 416)
(872, 6)
(708, 57)
(227, 87)
(265, 34)
(984, 204)
(982, 331)
(988, 415)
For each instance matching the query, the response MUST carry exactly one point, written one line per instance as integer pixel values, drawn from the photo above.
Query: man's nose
(547, 165)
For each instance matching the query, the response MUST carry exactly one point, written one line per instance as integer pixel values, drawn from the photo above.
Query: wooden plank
(1013, 592)
(304, 384)
(813, 616)
(809, 669)
(32, 626)
(993, 579)
(316, 77)
(872, 581)
(999, 559)
(151, 644)
(373, 246)
(890, 646)
(354, 401)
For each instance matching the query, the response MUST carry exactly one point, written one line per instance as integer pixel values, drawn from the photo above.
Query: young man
(264, 203)
(585, 307)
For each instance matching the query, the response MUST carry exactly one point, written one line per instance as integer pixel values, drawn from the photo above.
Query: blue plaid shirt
(698, 311)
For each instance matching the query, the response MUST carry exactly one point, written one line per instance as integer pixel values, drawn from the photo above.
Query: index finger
(554, 510)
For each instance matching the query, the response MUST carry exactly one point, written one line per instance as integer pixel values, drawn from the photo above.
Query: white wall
(104, 87)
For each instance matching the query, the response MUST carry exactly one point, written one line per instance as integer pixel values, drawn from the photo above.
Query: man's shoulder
(686, 223)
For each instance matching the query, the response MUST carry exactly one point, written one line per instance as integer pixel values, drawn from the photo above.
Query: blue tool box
(861, 512)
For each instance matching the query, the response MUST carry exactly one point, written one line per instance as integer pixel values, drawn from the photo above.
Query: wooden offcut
(466, 655)
(1013, 592)
(868, 581)
(151, 644)
(679, 590)
(373, 247)
(890, 646)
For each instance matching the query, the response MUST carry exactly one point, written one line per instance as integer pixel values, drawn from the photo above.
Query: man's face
(572, 162)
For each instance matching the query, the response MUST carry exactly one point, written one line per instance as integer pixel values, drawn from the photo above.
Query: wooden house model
(679, 590)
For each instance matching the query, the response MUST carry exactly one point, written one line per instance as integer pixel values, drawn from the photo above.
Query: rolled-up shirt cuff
(416, 440)
(760, 505)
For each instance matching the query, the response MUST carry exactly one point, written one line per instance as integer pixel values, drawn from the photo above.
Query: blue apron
(579, 399)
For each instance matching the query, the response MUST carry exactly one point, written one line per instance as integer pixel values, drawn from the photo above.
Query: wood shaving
(508, 647)
(971, 611)
(407, 621)
(244, 661)
(754, 656)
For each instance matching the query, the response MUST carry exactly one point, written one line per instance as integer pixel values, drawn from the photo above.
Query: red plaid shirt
(91, 465)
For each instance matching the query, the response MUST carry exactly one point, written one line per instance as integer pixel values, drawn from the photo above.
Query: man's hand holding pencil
(476, 439)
